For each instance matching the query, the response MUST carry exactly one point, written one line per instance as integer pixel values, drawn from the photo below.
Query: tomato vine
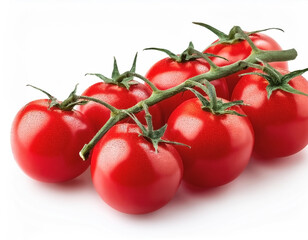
(214, 73)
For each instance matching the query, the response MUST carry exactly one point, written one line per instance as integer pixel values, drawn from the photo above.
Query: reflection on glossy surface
(30, 125)
(120, 150)
(194, 129)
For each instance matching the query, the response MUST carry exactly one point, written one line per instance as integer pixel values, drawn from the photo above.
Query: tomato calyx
(276, 80)
(66, 105)
(119, 79)
(148, 132)
(233, 37)
(189, 54)
(212, 103)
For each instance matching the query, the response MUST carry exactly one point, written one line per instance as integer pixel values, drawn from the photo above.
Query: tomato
(46, 142)
(280, 122)
(168, 73)
(129, 175)
(221, 145)
(241, 50)
(119, 97)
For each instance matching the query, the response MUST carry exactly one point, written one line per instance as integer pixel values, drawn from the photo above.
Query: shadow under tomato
(77, 184)
(213, 191)
(189, 198)
(188, 194)
(266, 171)
(186, 199)
(277, 163)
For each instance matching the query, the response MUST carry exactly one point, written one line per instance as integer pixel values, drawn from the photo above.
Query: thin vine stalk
(159, 95)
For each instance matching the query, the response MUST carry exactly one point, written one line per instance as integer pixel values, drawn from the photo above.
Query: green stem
(159, 95)
(247, 38)
(147, 81)
(85, 151)
(148, 118)
(133, 74)
(210, 62)
(111, 108)
(219, 34)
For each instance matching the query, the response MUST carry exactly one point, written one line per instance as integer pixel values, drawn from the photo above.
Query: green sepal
(116, 77)
(267, 77)
(221, 35)
(128, 81)
(185, 56)
(204, 101)
(263, 30)
(290, 89)
(189, 54)
(172, 55)
(102, 77)
(213, 104)
(277, 81)
(115, 71)
(224, 107)
(223, 38)
(286, 78)
(155, 136)
(53, 101)
(68, 104)
(233, 36)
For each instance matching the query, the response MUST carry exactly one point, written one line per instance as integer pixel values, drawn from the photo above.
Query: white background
(52, 44)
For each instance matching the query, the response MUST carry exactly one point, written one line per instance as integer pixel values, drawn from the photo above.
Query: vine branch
(159, 95)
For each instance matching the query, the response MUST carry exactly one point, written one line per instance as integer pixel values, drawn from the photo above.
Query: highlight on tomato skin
(130, 176)
(221, 145)
(46, 142)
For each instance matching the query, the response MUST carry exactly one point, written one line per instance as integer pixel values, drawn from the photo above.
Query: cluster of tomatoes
(130, 172)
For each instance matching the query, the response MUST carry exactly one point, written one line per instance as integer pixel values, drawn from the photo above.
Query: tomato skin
(120, 98)
(281, 122)
(241, 50)
(168, 73)
(221, 145)
(46, 142)
(129, 175)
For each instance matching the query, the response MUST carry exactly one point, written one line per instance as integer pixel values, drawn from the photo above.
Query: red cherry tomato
(168, 73)
(129, 175)
(221, 145)
(46, 142)
(120, 98)
(241, 50)
(280, 122)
